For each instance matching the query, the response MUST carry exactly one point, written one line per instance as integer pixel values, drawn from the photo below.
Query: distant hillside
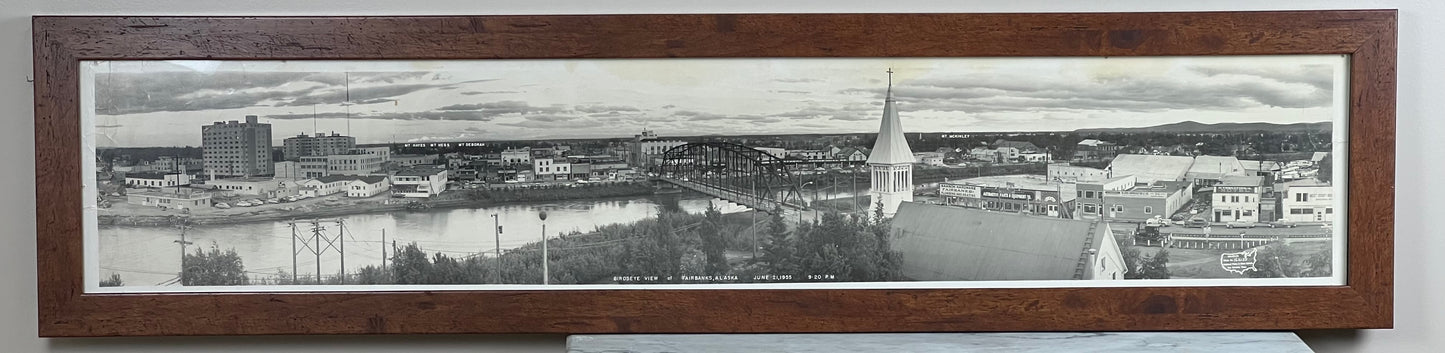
(1193, 126)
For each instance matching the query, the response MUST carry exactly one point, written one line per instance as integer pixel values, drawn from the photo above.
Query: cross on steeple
(890, 84)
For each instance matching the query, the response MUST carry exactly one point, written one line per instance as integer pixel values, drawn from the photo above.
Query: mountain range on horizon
(1196, 127)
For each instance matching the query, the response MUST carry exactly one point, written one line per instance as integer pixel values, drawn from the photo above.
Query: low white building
(419, 182)
(327, 185)
(368, 186)
(1308, 200)
(774, 151)
(264, 187)
(156, 180)
(808, 154)
(184, 198)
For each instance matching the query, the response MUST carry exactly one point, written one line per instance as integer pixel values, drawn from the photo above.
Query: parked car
(243, 203)
(1240, 224)
(1283, 223)
(1196, 223)
(221, 205)
(273, 201)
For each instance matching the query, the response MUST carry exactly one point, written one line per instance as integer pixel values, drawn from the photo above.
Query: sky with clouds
(165, 103)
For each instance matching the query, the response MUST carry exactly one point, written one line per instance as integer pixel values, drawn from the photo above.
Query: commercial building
(647, 148)
(293, 148)
(1150, 168)
(170, 198)
(944, 243)
(156, 180)
(1026, 194)
(512, 156)
(1209, 170)
(548, 169)
(1145, 201)
(408, 160)
(419, 182)
(264, 187)
(237, 149)
(1237, 198)
(1307, 200)
(1069, 173)
(1089, 200)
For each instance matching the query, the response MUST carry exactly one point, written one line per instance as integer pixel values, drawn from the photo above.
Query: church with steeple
(891, 162)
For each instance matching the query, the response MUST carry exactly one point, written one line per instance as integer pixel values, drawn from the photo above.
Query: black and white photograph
(256, 176)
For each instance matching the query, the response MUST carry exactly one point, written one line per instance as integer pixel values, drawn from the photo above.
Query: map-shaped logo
(1238, 262)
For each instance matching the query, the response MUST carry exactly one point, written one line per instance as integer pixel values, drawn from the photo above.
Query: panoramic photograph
(714, 173)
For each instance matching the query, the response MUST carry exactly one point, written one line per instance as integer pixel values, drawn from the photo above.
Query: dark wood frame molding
(1369, 36)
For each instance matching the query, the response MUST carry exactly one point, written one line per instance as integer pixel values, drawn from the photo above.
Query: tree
(1155, 266)
(113, 281)
(1327, 169)
(409, 265)
(779, 253)
(214, 268)
(714, 247)
(1132, 259)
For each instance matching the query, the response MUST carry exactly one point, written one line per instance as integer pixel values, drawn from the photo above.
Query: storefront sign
(956, 190)
(1234, 189)
(1008, 195)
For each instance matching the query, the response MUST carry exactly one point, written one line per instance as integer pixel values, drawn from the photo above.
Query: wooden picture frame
(1368, 36)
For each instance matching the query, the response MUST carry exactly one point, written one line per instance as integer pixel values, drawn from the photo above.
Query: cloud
(796, 80)
(605, 108)
(473, 93)
(788, 91)
(135, 93)
(418, 116)
(1218, 90)
(1319, 76)
(503, 107)
(375, 101)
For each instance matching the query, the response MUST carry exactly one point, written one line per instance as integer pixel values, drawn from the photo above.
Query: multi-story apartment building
(293, 148)
(235, 148)
(357, 161)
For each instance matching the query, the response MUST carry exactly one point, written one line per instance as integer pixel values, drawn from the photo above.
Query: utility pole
(497, 234)
(341, 238)
(185, 225)
(546, 277)
(316, 234)
(293, 252)
(383, 249)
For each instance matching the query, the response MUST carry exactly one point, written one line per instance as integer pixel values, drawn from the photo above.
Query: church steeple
(891, 147)
(891, 163)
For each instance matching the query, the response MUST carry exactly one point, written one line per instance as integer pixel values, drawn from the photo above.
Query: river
(149, 255)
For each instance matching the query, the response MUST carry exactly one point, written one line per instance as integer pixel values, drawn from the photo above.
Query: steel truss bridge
(735, 173)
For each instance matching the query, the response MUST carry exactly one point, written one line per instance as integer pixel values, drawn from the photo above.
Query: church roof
(891, 147)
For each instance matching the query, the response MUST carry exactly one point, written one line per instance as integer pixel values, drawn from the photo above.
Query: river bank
(452, 199)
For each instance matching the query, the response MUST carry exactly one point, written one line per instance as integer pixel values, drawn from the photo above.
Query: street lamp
(545, 276)
(813, 203)
(497, 234)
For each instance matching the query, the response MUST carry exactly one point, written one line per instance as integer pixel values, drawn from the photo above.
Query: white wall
(1419, 276)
